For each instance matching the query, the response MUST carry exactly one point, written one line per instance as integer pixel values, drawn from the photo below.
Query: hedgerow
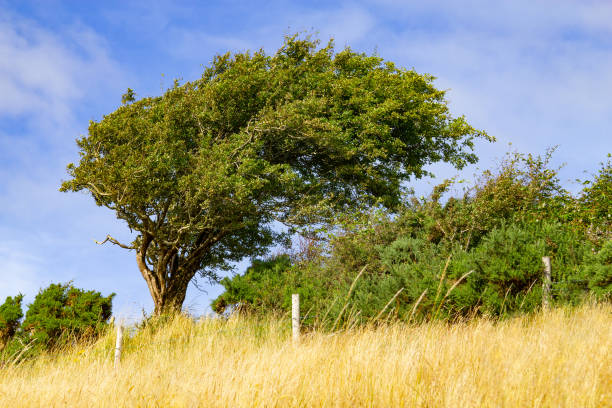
(479, 252)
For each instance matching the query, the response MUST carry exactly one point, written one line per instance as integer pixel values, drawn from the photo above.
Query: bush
(487, 246)
(598, 271)
(508, 268)
(594, 206)
(62, 311)
(10, 316)
(267, 285)
(500, 276)
(262, 287)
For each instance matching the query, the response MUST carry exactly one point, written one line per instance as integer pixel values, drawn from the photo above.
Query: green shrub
(262, 287)
(487, 246)
(62, 311)
(508, 268)
(598, 271)
(523, 188)
(10, 316)
(594, 206)
(267, 285)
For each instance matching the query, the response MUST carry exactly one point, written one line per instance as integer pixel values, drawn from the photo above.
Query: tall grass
(559, 358)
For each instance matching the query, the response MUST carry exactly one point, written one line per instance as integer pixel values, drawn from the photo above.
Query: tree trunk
(167, 281)
(169, 302)
(170, 271)
(168, 292)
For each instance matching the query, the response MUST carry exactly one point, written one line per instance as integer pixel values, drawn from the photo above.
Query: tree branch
(161, 217)
(97, 191)
(202, 245)
(114, 241)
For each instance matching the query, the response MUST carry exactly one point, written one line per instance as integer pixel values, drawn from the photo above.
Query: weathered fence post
(118, 344)
(546, 282)
(295, 316)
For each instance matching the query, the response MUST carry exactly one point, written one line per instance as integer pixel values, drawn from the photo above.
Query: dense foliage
(10, 316)
(203, 171)
(268, 276)
(61, 310)
(479, 253)
(59, 313)
(595, 204)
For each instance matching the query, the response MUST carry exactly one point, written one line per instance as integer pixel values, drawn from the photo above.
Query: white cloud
(190, 44)
(347, 24)
(42, 73)
(532, 73)
(45, 79)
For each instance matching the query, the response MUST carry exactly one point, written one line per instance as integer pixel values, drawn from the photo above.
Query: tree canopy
(201, 172)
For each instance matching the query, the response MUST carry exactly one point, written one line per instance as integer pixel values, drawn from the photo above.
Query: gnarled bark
(171, 273)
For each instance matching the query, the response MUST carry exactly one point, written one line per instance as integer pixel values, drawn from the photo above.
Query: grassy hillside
(559, 358)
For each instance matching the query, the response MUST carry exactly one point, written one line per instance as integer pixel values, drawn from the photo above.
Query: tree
(201, 172)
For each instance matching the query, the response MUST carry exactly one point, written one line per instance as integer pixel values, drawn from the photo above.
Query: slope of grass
(559, 358)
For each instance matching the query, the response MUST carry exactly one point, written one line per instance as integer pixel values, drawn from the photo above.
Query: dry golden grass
(557, 359)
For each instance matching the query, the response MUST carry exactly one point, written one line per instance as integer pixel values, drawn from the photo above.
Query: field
(559, 358)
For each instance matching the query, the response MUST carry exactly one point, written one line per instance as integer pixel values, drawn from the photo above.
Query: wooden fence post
(118, 344)
(295, 316)
(546, 282)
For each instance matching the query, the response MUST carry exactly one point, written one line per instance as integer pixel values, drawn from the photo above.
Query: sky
(534, 74)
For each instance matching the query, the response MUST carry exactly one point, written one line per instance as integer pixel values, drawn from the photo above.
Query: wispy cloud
(532, 73)
(264, 27)
(45, 78)
(42, 74)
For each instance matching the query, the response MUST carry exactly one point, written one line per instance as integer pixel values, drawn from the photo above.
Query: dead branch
(114, 241)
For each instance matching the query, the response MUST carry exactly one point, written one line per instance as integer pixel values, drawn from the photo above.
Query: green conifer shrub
(62, 311)
(598, 271)
(10, 317)
(262, 287)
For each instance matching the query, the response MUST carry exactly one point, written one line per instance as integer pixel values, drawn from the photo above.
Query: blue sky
(532, 73)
